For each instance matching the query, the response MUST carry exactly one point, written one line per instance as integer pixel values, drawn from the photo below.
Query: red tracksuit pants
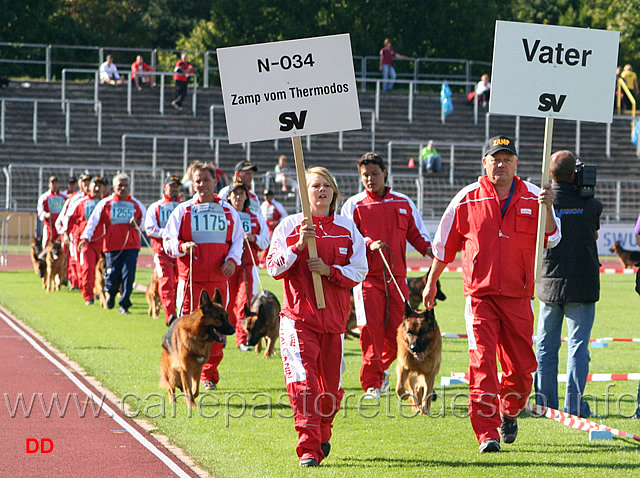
(209, 369)
(240, 293)
(312, 364)
(498, 327)
(89, 256)
(167, 270)
(74, 276)
(378, 342)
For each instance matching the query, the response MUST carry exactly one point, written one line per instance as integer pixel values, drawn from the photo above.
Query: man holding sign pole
(493, 222)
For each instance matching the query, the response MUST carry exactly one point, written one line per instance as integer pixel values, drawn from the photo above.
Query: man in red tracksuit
(311, 339)
(205, 235)
(256, 238)
(79, 214)
(387, 220)
(156, 219)
(121, 214)
(182, 71)
(494, 223)
(50, 205)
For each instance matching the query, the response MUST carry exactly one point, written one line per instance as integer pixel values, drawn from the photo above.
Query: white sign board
(551, 71)
(289, 88)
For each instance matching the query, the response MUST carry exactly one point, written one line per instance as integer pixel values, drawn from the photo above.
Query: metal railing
(66, 108)
(162, 75)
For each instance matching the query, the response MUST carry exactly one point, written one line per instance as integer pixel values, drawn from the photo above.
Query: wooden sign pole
(542, 209)
(306, 210)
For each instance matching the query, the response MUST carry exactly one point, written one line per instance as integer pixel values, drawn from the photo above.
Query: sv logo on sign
(290, 120)
(550, 101)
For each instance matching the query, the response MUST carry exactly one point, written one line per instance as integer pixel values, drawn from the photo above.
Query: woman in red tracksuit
(311, 339)
(256, 238)
(205, 235)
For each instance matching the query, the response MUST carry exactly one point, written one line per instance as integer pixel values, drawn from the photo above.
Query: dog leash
(384, 259)
(254, 264)
(191, 279)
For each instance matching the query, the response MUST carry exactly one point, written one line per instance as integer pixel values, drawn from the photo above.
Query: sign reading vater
(289, 88)
(552, 71)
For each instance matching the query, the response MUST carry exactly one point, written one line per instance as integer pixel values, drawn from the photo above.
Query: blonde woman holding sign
(311, 339)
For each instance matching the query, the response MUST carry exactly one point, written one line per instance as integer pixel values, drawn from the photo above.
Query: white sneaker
(385, 382)
(244, 348)
(372, 394)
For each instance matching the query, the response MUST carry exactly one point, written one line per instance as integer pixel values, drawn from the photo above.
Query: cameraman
(570, 287)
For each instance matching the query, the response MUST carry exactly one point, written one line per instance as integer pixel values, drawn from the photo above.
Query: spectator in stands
(569, 287)
(387, 54)
(241, 283)
(483, 90)
(49, 206)
(181, 71)
(285, 176)
(493, 221)
(431, 159)
(387, 220)
(121, 215)
(166, 266)
(244, 171)
(138, 77)
(273, 212)
(89, 251)
(109, 73)
(205, 235)
(631, 80)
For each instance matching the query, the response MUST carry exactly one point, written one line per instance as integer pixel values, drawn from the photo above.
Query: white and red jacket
(78, 216)
(216, 228)
(52, 203)
(341, 246)
(63, 218)
(273, 212)
(498, 253)
(156, 219)
(256, 225)
(115, 213)
(393, 219)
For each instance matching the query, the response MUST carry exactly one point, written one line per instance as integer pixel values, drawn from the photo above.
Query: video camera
(585, 179)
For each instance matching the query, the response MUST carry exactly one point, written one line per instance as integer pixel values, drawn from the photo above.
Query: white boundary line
(108, 410)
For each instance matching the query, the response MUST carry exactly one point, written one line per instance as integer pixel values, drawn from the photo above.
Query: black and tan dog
(416, 287)
(628, 258)
(262, 320)
(419, 355)
(187, 344)
(55, 267)
(98, 286)
(37, 259)
(152, 294)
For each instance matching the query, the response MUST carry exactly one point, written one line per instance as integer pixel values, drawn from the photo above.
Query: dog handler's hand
(81, 244)
(431, 287)
(228, 268)
(376, 245)
(317, 265)
(188, 246)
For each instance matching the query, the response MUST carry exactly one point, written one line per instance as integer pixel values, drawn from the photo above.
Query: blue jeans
(388, 72)
(580, 318)
(121, 269)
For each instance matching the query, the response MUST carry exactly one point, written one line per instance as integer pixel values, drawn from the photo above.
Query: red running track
(99, 442)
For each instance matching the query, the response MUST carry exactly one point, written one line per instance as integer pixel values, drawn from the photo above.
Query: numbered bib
(270, 212)
(56, 204)
(122, 212)
(208, 223)
(89, 206)
(245, 217)
(164, 211)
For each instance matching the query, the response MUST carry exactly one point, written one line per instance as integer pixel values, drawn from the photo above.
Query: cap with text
(172, 180)
(499, 143)
(246, 166)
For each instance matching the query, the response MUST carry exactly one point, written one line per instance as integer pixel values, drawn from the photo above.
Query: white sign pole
(542, 209)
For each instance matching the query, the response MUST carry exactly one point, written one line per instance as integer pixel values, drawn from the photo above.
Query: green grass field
(245, 428)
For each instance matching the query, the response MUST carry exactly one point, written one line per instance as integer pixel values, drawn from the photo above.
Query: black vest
(570, 271)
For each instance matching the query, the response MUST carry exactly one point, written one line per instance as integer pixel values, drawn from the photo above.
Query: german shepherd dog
(419, 354)
(187, 344)
(416, 287)
(39, 265)
(152, 294)
(98, 286)
(56, 266)
(628, 258)
(262, 319)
